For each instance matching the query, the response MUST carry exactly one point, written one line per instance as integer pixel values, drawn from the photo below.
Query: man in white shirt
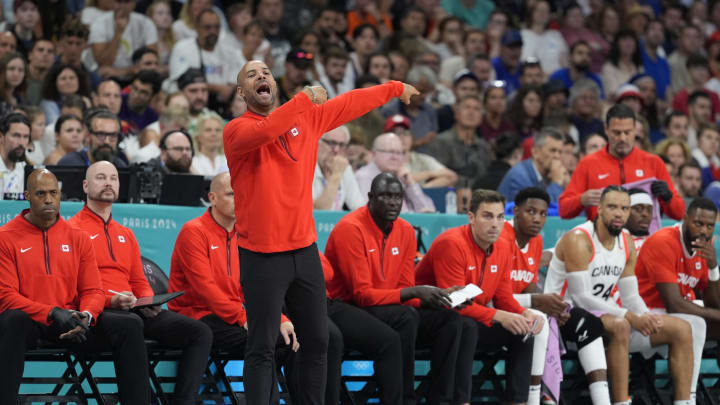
(334, 185)
(114, 37)
(219, 62)
(14, 138)
(334, 79)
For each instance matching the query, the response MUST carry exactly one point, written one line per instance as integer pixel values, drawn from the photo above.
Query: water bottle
(451, 201)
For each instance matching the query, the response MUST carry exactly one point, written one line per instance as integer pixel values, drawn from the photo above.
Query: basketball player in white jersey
(592, 258)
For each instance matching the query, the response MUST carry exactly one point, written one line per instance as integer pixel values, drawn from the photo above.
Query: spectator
(27, 17)
(8, 43)
(173, 118)
(400, 65)
(334, 185)
(422, 115)
(136, 108)
(481, 67)
(542, 43)
(269, 13)
(363, 130)
(629, 95)
(62, 81)
(544, 170)
(193, 85)
(312, 42)
(111, 241)
(104, 132)
(365, 40)
(383, 283)
(330, 23)
(460, 148)
(507, 65)
(71, 46)
(508, 152)
(706, 152)
(676, 151)
(525, 111)
(34, 151)
(450, 34)
(473, 43)
(676, 126)
(623, 62)
(637, 18)
(465, 84)
(593, 143)
(13, 74)
(67, 302)
(160, 13)
(380, 66)
(148, 59)
(642, 134)
(555, 95)
(96, 9)
(653, 108)
(620, 163)
(335, 66)
(238, 106)
(108, 95)
(176, 153)
(712, 46)
(531, 73)
(689, 43)
(114, 37)
(14, 138)
(297, 66)
(585, 108)
(441, 94)
(186, 26)
(210, 159)
(673, 20)
(254, 46)
(72, 105)
(700, 112)
(494, 121)
(579, 67)
(609, 23)
(690, 181)
(218, 61)
(699, 73)
(574, 31)
(41, 58)
(69, 137)
(655, 65)
(388, 157)
(476, 17)
(367, 13)
(569, 156)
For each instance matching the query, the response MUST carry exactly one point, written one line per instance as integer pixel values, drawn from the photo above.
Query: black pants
(352, 328)
(439, 329)
(295, 280)
(194, 338)
(119, 331)
(519, 358)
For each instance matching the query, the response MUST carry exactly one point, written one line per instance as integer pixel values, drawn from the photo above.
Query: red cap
(714, 37)
(395, 120)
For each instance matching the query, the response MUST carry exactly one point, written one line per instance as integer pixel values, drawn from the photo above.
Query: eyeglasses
(333, 144)
(392, 152)
(181, 149)
(102, 136)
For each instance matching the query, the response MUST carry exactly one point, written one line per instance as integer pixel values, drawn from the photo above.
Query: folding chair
(49, 353)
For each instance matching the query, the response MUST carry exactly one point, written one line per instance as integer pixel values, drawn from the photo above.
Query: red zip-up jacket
(370, 267)
(272, 165)
(328, 272)
(117, 253)
(601, 169)
(42, 269)
(455, 259)
(525, 264)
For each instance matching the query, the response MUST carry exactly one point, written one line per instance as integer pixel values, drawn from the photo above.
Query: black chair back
(159, 281)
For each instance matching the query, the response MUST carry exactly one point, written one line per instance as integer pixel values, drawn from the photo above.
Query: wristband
(524, 300)
(714, 274)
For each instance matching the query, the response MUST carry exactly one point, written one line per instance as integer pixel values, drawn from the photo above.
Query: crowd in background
(491, 76)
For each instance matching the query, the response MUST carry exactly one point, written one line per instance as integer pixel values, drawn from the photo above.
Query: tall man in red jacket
(473, 254)
(619, 163)
(272, 152)
(50, 287)
(121, 269)
(373, 254)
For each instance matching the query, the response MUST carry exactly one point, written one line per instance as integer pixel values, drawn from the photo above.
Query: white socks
(682, 402)
(693, 397)
(534, 395)
(599, 393)
(622, 403)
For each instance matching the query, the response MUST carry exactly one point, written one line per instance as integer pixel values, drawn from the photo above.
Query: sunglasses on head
(304, 55)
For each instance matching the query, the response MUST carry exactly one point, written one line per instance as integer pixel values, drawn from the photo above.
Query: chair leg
(86, 365)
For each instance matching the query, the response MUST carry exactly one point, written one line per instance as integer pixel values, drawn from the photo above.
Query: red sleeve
(352, 262)
(353, 104)
(655, 261)
(675, 209)
(503, 298)
(89, 283)
(449, 268)
(407, 276)
(10, 297)
(243, 135)
(194, 261)
(569, 204)
(138, 282)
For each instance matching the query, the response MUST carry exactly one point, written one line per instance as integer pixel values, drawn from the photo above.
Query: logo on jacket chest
(294, 132)
(121, 239)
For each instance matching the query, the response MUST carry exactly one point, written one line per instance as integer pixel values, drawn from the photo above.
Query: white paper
(468, 292)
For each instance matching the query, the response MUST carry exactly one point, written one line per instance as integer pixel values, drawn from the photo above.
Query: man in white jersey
(575, 324)
(592, 258)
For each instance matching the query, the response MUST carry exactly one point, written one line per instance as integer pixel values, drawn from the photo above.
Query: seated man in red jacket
(50, 287)
(473, 254)
(121, 269)
(619, 163)
(205, 265)
(372, 252)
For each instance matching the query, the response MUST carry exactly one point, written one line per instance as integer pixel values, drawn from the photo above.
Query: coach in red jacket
(272, 153)
(120, 264)
(620, 162)
(50, 287)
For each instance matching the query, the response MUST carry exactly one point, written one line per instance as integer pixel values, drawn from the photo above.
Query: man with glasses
(334, 185)
(104, 132)
(388, 156)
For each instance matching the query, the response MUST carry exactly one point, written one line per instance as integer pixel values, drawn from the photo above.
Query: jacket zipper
(46, 249)
(482, 274)
(285, 146)
(227, 250)
(109, 242)
(622, 172)
(382, 257)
